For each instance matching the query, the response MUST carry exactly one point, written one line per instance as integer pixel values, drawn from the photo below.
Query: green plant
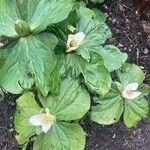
(58, 49)
(63, 134)
(31, 59)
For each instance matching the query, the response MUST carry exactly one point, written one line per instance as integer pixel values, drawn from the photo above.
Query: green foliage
(110, 108)
(58, 49)
(30, 60)
(62, 135)
(27, 61)
(72, 95)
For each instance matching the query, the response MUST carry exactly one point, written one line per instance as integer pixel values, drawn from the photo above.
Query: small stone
(106, 7)
(130, 50)
(142, 67)
(106, 15)
(146, 51)
(1, 44)
(121, 8)
(11, 130)
(114, 136)
(120, 45)
(11, 117)
(111, 40)
(12, 103)
(127, 21)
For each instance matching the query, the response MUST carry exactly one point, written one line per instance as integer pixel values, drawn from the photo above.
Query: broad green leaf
(24, 130)
(40, 14)
(31, 60)
(112, 56)
(134, 111)
(145, 89)
(68, 25)
(72, 103)
(100, 16)
(62, 136)
(130, 74)
(4, 54)
(8, 16)
(109, 109)
(96, 32)
(55, 81)
(50, 42)
(96, 76)
(75, 63)
(26, 107)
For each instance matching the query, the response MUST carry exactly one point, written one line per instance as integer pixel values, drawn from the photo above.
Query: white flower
(130, 91)
(74, 41)
(45, 120)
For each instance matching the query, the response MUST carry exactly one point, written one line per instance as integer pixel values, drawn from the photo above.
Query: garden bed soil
(132, 35)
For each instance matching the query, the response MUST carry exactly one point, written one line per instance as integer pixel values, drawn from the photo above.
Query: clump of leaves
(132, 104)
(30, 58)
(65, 107)
(59, 49)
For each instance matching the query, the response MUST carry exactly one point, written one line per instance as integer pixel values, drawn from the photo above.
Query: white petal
(135, 95)
(47, 111)
(80, 37)
(132, 95)
(132, 86)
(36, 120)
(70, 49)
(46, 127)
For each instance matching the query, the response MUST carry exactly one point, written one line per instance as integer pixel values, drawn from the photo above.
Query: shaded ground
(130, 37)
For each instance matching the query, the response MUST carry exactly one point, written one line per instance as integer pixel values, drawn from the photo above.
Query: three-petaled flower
(45, 120)
(130, 91)
(74, 41)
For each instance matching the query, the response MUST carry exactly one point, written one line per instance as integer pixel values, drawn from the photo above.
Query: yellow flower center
(73, 43)
(129, 92)
(48, 119)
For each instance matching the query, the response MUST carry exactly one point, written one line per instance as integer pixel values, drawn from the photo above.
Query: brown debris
(146, 26)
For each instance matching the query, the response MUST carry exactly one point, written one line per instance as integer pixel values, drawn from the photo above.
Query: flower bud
(22, 28)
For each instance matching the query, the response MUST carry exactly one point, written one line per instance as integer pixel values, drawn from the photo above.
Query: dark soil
(7, 136)
(130, 37)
